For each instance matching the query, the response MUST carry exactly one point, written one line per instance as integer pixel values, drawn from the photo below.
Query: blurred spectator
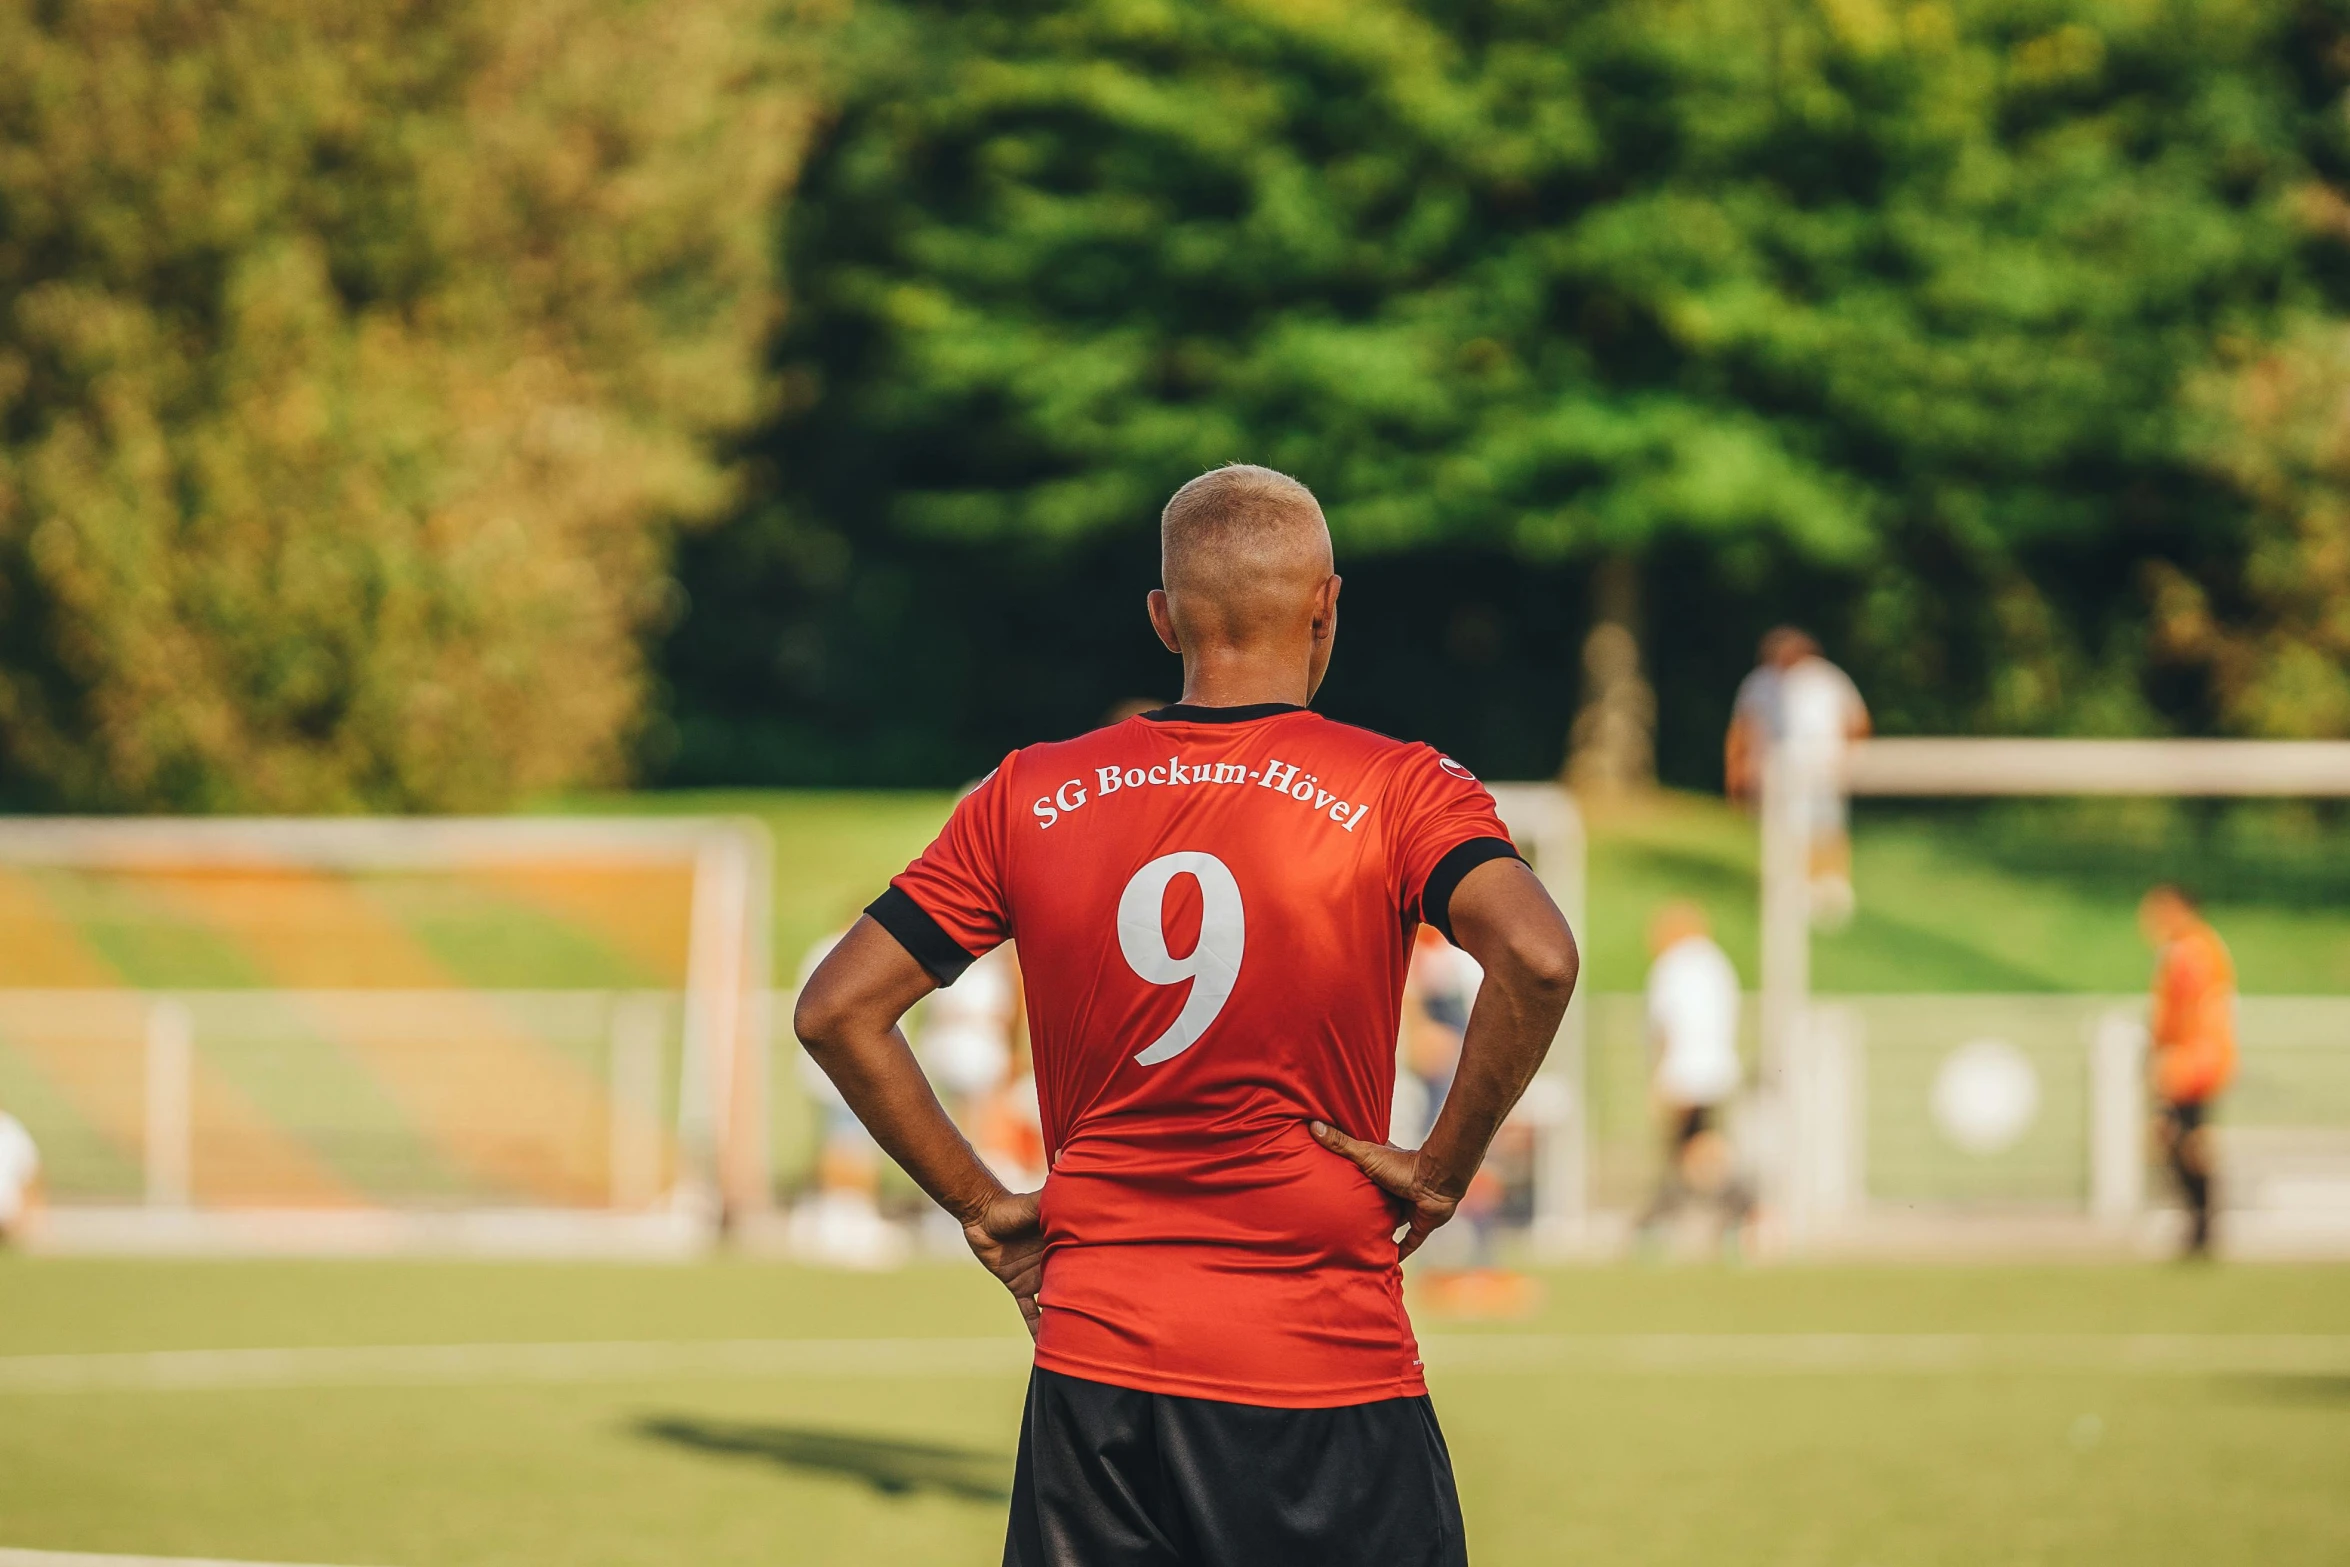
(1010, 1135)
(840, 1222)
(20, 1180)
(2194, 1037)
(967, 1030)
(1440, 987)
(1693, 1030)
(1795, 697)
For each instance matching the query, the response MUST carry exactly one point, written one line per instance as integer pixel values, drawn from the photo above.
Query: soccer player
(1693, 1029)
(1215, 904)
(967, 1031)
(1795, 697)
(2194, 1033)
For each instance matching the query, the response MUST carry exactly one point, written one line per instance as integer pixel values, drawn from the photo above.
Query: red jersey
(1215, 910)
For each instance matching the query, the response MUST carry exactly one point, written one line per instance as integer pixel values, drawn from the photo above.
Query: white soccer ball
(1985, 1096)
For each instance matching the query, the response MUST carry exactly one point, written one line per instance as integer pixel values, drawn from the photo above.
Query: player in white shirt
(1693, 1029)
(20, 1179)
(1797, 698)
(967, 1032)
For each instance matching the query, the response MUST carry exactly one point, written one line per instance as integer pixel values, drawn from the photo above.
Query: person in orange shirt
(2194, 1036)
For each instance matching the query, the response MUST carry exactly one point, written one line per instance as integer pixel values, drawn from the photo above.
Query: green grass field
(2013, 1416)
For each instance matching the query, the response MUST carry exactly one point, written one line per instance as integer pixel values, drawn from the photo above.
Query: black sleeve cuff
(940, 955)
(1436, 894)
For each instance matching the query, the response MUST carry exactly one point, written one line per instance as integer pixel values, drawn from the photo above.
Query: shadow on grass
(1690, 872)
(2296, 1388)
(1879, 944)
(892, 1466)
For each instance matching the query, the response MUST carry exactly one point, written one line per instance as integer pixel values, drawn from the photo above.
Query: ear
(1322, 634)
(1163, 620)
(1326, 607)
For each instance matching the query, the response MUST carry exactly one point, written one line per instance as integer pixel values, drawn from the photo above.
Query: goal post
(1817, 1055)
(511, 1034)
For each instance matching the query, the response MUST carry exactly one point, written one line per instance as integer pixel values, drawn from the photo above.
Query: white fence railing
(432, 1102)
(1939, 1113)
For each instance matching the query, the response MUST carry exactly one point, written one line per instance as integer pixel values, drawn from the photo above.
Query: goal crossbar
(372, 843)
(1967, 767)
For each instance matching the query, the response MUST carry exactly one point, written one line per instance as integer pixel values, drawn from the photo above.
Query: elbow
(1549, 964)
(818, 1020)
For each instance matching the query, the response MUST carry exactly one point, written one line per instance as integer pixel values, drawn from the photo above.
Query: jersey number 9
(1214, 964)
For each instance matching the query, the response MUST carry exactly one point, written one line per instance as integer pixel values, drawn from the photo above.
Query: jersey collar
(1189, 713)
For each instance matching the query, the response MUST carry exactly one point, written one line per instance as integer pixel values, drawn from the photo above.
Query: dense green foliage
(2275, 651)
(357, 363)
(354, 358)
(1883, 316)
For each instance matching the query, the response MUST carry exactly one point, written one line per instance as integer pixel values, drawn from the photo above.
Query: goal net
(1966, 1053)
(505, 1033)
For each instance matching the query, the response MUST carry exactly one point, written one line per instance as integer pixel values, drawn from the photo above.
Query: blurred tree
(355, 358)
(1900, 296)
(2262, 624)
(2271, 635)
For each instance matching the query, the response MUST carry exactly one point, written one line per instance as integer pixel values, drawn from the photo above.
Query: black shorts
(1691, 1123)
(2185, 1115)
(1109, 1477)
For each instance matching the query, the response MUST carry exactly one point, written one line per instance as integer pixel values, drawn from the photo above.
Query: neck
(1243, 677)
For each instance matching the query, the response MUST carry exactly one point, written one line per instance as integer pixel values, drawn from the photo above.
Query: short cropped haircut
(1236, 510)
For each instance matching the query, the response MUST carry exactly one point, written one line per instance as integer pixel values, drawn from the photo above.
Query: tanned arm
(847, 1018)
(1505, 920)
(1739, 761)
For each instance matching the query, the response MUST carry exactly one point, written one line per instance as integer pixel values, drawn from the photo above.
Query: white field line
(399, 1365)
(423, 1365)
(1811, 1353)
(9, 1558)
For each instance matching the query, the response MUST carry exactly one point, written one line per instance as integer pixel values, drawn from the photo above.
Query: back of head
(2167, 912)
(1786, 645)
(1241, 551)
(2170, 899)
(1675, 923)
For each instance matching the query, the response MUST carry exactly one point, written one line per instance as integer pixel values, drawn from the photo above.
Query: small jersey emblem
(1455, 768)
